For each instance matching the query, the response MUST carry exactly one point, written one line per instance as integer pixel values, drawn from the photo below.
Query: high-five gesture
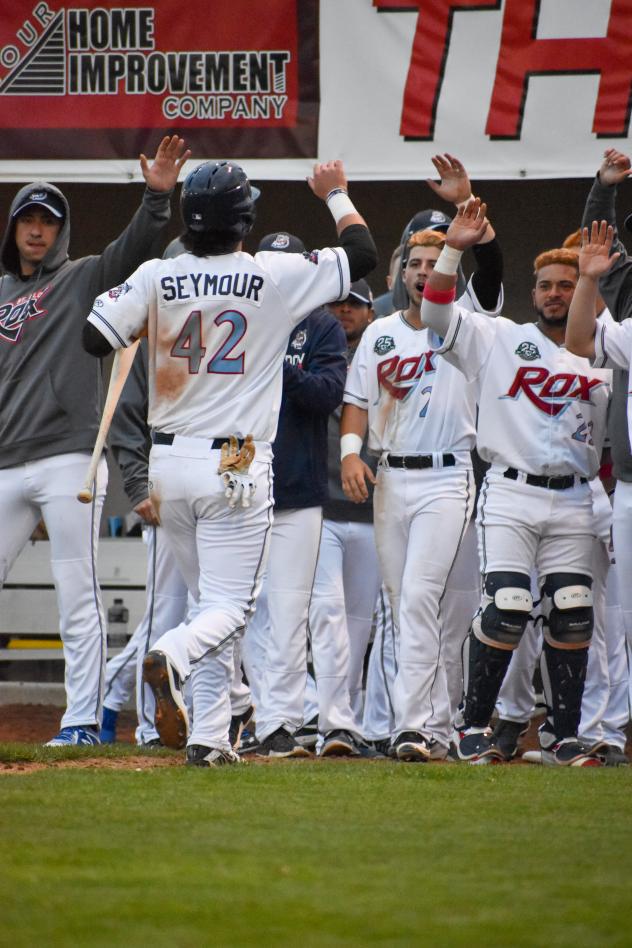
(594, 256)
(326, 177)
(163, 172)
(468, 226)
(615, 167)
(455, 184)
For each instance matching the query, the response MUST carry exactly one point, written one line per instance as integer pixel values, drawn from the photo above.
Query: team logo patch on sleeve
(299, 339)
(383, 345)
(528, 351)
(116, 292)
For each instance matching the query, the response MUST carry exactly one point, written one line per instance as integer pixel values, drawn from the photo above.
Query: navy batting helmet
(217, 196)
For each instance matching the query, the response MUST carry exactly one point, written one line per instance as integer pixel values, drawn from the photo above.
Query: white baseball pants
(220, 551)
(420, 519)
(281, 645)
(340, 618)
(48, 489)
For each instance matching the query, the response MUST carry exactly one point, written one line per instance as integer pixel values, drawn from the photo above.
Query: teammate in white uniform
(541, 426)
(420, 414)
(218, 321)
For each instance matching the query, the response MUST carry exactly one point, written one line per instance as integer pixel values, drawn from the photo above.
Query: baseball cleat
(238, 723)
(198, 755)
(307, 736)
(475, 745)
(171, 718)
(569, 752)
(339, 744)
(345, 744)
(611, 756)
(75, 736)
(108, 726)
(281, 744)
(532, 757)
(411, 746)
(506, 736)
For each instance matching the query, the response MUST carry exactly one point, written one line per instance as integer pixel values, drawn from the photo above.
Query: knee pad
(567, 610)
(505, 610)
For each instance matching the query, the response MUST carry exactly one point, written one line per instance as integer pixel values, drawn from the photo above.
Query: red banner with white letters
(101, 79)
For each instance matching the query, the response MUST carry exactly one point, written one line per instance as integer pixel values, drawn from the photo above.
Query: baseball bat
(123, 359)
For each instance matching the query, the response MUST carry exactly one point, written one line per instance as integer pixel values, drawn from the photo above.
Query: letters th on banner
(521, 55)
(100, 79)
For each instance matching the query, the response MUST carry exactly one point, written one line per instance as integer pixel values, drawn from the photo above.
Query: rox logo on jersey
(393, 373)
(15, 313)
(551, 394)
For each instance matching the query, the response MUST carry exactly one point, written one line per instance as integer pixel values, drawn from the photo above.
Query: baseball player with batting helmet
(541, 426)
(218, 322)
(49, 407)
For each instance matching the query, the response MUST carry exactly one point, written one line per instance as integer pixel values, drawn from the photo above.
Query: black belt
(537, 480)
(161, 437)
(416, 462)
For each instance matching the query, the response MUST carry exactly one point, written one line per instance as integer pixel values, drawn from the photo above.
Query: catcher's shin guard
(487, 667)
(563, 677)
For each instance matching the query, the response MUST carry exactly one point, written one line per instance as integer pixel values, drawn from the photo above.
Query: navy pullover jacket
(314, 375)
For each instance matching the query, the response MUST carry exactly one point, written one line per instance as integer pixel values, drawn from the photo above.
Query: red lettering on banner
(521, 56)
(429, 54)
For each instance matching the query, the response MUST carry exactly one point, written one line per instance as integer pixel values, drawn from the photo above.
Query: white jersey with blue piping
(218, 328)
(542, 410)
(416, 402)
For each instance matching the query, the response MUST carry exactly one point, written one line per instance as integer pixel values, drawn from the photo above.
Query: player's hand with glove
(162, 173)
(234, 467)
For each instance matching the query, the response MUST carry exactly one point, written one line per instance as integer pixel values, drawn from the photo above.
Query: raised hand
(326, 177)
(615, 167)
(469, 225)
(163, 172)
(455, 184)
(594, 256)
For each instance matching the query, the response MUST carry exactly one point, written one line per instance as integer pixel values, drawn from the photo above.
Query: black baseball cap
(427, 220)
(360, 290)
(281, 240)
(42, 197)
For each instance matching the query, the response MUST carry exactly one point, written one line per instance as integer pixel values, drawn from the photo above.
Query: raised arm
(329, 183)
(616, 284)
(594, 261)
(455, 187)
(465, 230)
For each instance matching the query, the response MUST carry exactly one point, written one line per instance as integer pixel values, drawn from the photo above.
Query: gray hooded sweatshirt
(50, 388)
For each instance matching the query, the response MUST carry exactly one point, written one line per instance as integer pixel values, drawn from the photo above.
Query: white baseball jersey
(218, 328)
(613, 349)
(542, 410)
(417, 403)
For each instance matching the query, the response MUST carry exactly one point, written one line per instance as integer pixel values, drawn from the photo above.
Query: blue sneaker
(79, 736)
(108, 728)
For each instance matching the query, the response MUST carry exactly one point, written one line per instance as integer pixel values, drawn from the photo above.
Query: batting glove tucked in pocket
(234, 467)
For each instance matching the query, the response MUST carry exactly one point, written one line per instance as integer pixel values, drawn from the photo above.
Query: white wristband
(350, 444)
(340, 205)
(448, 260)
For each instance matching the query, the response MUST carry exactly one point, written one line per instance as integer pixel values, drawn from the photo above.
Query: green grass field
(315, 853)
